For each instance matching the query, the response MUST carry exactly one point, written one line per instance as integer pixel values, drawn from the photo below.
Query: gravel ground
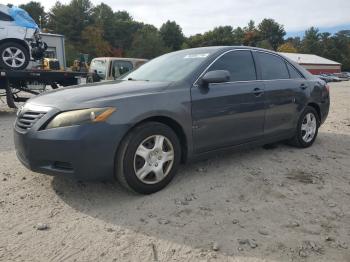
(277, 204)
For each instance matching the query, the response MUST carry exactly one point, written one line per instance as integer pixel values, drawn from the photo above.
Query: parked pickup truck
(110, 68)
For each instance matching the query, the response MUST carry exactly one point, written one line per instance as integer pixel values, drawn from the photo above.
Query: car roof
(232, 47)
(5, 9)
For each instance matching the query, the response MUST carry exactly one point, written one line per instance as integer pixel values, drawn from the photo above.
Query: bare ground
(278, 204)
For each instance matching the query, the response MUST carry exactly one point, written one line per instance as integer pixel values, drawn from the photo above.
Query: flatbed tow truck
(17, 86)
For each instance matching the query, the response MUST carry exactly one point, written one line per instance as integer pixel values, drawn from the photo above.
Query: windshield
(99, 66)
(170, 67)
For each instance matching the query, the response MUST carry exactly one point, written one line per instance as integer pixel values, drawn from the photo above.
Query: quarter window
(240, 64)
(294, 74)
(5, 17)
(272, 67)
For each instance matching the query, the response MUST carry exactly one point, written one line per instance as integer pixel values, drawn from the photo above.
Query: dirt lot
(279, 204)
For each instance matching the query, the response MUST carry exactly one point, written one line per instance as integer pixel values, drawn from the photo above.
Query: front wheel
(307, 128)
(148, 158)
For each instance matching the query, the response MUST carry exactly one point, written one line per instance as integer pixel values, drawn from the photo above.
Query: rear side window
(272, 67)
(294, 74)
(240, 64)
(5, 17)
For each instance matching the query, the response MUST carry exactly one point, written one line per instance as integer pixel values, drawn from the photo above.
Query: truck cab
(110, 68)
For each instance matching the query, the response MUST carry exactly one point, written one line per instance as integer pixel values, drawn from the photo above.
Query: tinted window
(5, 17)
(293, 72)
(239, 63)
(272, 67)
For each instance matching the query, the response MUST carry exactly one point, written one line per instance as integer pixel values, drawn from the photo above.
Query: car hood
(96, 94)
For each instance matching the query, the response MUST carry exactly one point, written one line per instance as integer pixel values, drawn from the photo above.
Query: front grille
(27, 119)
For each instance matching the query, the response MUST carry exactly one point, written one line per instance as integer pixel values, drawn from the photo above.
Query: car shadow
(225, 198)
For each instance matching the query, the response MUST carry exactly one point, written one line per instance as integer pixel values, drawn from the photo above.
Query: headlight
(82, 116)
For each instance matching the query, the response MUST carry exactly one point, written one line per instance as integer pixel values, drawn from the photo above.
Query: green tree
(251, 34)
(103, 17)
(238, 36)
(37, 12)
(147, 43)
(287, 48)
(124, 32)
(221, 35)
(294, 41)
(250, 26)
(172, 35)
(264, 44)
(194, 41)
(342, 45)
(71, 19)
(272, 32)
(123, 16)
(94, 43)
(311, 42)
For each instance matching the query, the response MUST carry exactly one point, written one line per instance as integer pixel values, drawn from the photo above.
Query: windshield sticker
(196, 56)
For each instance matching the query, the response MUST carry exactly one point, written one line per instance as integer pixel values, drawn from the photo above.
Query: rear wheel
(307, 128)
(13, 56)
(148, 158)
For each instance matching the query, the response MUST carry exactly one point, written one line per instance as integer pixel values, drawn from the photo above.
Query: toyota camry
(177, 107)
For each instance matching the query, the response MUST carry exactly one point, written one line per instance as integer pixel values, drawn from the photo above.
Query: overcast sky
(198, 16)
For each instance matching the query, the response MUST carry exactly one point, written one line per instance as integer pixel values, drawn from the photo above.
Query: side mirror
(217, 76)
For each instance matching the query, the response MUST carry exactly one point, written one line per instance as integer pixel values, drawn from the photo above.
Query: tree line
(100, 31)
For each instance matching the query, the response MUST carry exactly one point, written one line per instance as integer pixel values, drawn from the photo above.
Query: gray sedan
(180, 106)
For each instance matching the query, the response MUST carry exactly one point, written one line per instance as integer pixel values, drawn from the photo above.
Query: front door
(231, 113)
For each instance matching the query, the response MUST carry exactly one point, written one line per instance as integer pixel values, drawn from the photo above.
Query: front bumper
(85, 152)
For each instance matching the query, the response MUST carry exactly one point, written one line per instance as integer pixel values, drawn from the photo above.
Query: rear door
(285, 92)
(5, 22)
(230, 113)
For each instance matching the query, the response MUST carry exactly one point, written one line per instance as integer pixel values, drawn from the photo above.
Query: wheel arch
(173, 124)
(317, 108)
(15, 40)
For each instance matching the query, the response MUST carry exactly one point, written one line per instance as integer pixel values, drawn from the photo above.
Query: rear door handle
(303, 86)
(258, 92)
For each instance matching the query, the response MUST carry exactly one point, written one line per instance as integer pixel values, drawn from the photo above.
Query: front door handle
(258, 92)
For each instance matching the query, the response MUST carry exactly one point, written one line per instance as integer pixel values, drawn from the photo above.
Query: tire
(137, 173)
(301, 139)
(22, 58)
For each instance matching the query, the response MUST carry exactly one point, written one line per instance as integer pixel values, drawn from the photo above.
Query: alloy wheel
(153, 159)
(13, 57)
(308, 127)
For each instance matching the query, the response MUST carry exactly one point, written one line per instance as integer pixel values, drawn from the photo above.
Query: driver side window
(240, 64)
(120, 68)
